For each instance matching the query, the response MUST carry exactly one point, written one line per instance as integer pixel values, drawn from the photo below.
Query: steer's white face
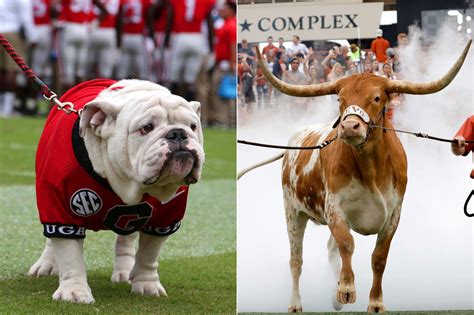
(143, 139)
(360, 103)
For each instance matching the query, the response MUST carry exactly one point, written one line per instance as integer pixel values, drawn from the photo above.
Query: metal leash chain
(39, 85)
(320, 146)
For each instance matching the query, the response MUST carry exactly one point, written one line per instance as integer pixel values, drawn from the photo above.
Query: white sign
(309, 21)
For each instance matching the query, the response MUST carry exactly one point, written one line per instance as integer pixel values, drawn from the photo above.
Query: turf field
(197, 266)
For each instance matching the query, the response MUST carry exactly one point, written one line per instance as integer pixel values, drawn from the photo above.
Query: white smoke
(430, 264)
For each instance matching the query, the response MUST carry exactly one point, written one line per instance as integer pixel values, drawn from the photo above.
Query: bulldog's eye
(377, 99)
(193, 127)
(147, 129)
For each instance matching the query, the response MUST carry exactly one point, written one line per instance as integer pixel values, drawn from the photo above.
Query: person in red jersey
(221, 111)
(40, 55)
(158, 22)
(75, 20)
(379, 46)
(190, 43)
(103, 42)
(134, 61)
(465, 132)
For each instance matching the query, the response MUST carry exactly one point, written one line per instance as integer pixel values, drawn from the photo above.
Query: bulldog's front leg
(144, 274)
(124, 257)
(45, 265)
(73, 286)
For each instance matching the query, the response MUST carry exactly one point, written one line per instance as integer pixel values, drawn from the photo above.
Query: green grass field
(197, 265)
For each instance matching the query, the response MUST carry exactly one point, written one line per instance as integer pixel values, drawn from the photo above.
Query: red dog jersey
(71, 197)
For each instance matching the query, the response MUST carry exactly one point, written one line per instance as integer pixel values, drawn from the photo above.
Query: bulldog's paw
(152, 288)
(120, 276)
(376, 307)
(43, 267)
(346, 294)
(76, 293)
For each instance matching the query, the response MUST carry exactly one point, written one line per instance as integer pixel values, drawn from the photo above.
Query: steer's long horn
(396, 86)
(296, 90)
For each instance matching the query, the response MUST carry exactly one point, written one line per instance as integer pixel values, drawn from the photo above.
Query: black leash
(320, 146)
(421, 135)
(325, 143)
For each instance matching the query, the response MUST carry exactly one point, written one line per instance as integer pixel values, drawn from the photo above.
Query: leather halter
(362, 114)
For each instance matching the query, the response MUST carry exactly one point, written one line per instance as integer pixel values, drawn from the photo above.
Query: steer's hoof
(376, 307)
(295, 309)
(335, 303)
(346, 294)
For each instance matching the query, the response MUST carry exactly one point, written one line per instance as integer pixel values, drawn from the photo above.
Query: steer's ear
(196, 106)
(98, 116)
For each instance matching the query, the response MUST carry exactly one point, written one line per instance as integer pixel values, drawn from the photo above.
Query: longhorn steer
(358, 182)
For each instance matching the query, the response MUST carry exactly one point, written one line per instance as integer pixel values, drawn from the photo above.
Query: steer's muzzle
(352, 131)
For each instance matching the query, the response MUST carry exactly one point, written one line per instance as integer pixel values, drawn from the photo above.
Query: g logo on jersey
(85, 202)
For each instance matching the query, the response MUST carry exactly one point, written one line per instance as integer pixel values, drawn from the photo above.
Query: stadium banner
(309, 21)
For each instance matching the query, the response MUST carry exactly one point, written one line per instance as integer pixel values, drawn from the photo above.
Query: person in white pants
(13, 16)
(102, 55)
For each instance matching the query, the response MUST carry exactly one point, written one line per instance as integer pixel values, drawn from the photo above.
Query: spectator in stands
(262, 89)
(14, 15)
(315, 75)
(379, 46)
(270, 47)
(392, 59)
(247, 86)
(342, 55)
(330, 59)
(376, 67)
(293, 75)
(387, 72)
(223, 110)
(352, 69)
(354, 54)
(281, 41)
(402, 40)
(367, 67)
(246, 49)
(337, 72)
(296, 48)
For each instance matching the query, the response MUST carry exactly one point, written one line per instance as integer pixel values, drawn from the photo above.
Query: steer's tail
(265, 162)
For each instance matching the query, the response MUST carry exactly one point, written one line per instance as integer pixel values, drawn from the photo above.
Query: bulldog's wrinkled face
(141, 134)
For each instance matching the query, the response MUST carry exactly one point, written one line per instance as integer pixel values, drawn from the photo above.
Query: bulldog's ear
(94, 116)
(196, 106)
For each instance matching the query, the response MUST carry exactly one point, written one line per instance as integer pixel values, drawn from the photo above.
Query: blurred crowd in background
(188, 46)
(299, 64)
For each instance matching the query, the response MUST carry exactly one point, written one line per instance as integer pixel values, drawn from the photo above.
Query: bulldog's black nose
(176, 134)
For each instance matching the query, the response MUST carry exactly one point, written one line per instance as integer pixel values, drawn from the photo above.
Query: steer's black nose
(176, 134)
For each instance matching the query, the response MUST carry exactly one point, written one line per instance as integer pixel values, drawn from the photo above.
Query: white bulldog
(144, 146)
